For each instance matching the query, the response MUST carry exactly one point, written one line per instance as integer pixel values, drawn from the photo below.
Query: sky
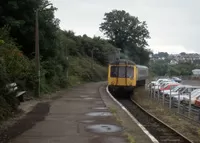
(174, 25)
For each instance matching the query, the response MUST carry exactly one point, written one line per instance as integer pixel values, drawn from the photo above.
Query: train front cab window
(119, 71)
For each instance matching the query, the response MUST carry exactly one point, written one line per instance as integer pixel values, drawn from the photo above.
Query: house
(173, 62)
(196, 72)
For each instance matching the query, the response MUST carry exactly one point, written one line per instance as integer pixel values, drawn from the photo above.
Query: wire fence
(176, 104)
(189, 77)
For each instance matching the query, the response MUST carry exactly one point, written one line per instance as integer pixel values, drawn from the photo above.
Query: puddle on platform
(103, 128)
(100, 108)
(88, 98)
(87, 121)
(99, 114)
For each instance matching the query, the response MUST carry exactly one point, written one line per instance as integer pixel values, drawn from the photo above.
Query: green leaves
(127, 33)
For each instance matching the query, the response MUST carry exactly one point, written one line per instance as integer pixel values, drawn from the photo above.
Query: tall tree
(125, 31)
(19, 15)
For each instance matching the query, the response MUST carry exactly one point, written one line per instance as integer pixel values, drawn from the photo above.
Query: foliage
(162, 68)
(161, 54)
(65, 59)
(14, 66)
(22, 24)
(127, 33)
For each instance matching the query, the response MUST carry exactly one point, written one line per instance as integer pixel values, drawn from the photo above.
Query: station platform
(84, 114)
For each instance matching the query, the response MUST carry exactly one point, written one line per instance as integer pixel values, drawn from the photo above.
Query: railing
(187, 110)
(189, 77)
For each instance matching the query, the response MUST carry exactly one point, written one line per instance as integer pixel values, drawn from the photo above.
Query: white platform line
(134, 119)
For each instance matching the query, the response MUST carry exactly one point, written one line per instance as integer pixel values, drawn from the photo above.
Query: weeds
(130, 138)
(114, 112)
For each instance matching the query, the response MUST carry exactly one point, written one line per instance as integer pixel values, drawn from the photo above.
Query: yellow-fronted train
(124, 75)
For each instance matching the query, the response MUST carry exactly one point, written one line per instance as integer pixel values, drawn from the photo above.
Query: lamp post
(92, 54)
(37, 54)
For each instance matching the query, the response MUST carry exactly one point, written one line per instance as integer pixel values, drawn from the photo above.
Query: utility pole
(92, 58)
(66, 50)
(37, 57)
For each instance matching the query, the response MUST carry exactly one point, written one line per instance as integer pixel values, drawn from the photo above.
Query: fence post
(163, 97)
(158, 94)
(189, 112)
(178, 102)
(149, 90)
(199, 115)
(170, 99)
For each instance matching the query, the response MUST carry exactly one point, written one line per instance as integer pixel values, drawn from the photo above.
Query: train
(125, 75)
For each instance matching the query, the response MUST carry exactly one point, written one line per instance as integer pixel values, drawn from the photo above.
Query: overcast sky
(174, 25)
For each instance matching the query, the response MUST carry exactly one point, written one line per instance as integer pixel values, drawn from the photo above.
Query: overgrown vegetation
(65, 58)
(163, 68)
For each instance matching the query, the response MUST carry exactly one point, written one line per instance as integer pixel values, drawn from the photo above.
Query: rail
(161, 131)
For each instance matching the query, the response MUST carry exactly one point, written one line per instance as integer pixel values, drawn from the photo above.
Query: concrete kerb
(153, 139)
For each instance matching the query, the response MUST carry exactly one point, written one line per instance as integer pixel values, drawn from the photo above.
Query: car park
(176, 89)
(197, 102)
(183, 90)
(169, 86)
(184, 98)
(176, 79)
(162, 85)
(161, 82)
(194, 95)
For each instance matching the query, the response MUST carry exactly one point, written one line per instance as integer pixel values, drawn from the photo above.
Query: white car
(161, 83)
(174, 90)
(185, 97)
(182, 90)
(194, 95)
(153, 83)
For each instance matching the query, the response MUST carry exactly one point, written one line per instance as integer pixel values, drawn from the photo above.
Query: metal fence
(187, 110)
(189, 77)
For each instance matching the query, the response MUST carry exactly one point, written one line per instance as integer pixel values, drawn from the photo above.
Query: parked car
(183, 90)
(176, 89)
(169, 86)
(194, 95)
(176, 79)
(184, 98)
(160, 82)
(162, 85)
(197, 102)
(157, 82)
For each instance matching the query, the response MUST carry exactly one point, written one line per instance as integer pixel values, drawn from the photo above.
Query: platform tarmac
(81, 115)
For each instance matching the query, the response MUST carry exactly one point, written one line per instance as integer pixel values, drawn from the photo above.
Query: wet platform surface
(79, 116)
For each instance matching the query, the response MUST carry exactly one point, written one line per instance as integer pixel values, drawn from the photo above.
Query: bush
(80, 70)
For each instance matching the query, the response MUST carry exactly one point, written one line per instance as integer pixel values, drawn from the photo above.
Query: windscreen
(195, 93)
(119, 71)
(181, 89)
(176, 88)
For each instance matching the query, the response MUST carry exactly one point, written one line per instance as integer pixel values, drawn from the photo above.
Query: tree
(19, 15)
(163, 54)
(122, 28)
(126, 32)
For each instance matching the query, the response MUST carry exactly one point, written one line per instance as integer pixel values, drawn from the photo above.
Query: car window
(195, 91)
(176, 88)
(181, 89)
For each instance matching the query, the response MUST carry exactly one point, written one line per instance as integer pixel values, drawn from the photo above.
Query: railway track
(162, 132)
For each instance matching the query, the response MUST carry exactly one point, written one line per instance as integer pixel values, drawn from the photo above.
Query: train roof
(122, 61)
(141, 66)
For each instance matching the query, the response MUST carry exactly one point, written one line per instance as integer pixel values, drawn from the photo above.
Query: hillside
(65, 59)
